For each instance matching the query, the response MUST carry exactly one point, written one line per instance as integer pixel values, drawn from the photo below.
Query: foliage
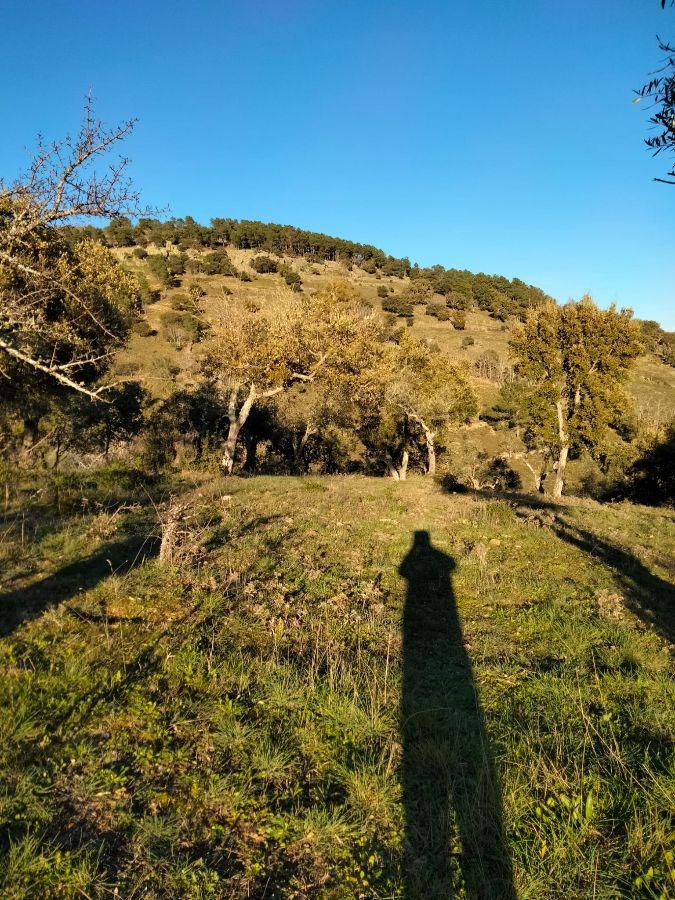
(257, 353)
(399, 306)
(660, 91)
(651, 479)
(499, 295)
(264, 264)
(575, 358)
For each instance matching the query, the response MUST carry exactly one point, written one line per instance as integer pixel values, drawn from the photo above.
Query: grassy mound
(339, 687)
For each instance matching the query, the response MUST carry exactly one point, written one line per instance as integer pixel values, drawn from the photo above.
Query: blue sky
(500, 137)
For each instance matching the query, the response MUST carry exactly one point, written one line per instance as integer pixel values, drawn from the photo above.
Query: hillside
(162, 366)
(244, 721)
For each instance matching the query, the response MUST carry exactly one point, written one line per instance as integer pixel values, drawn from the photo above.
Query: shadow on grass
(647, 595)
(454, 833)
(28, 602)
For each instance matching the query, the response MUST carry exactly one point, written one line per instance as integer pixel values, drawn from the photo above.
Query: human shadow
(29, 601)
(454, 835)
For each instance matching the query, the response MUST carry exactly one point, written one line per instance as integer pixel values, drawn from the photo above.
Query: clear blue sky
(500, 137)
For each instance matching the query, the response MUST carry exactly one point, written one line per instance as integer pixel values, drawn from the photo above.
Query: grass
(312, 702)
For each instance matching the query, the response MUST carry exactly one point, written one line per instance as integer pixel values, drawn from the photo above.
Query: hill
(163, 355)
(243, 717)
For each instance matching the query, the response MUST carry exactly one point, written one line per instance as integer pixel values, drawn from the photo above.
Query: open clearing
(334, 677)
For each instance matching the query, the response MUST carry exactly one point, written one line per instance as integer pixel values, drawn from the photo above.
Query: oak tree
(574, 359)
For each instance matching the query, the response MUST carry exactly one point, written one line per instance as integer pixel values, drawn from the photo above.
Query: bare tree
(63, 309)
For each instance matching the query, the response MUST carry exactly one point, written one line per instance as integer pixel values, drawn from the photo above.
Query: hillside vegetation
(199, 273)
(244, 718)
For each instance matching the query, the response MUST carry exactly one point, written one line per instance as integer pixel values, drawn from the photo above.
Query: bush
(498, 475)
(143, 328)
(382, 291)
(140, 253)
(244, 276)
(175, 264)
(467, 341)
(399, 306)
(181, 328)
(264, 265)
(159, 270)
(180, 302)
(455, 300)
(197, 291)
(438, 311)
(290, 276)
(127, 368)
(459, 320)
(217, 262)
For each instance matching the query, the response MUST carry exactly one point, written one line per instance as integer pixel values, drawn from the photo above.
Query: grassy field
(339, 687)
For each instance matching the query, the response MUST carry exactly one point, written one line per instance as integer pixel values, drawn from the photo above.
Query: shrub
(438, 311)
(217, 262)
(244, 276)
(455, 300)
(382, 291)
(489, 366)
(197, 291)
(264, 265)
(290, 276)
(159, 270)
(181, 328)
(399, 306)
(459, 320)
(180, 302)
(175, 264)
(140, 253)
(143, 328)
(467, 341)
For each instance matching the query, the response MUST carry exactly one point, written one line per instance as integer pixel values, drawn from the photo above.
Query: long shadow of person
(454, 836)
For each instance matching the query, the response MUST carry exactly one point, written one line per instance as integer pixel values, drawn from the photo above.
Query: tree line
(495, 294)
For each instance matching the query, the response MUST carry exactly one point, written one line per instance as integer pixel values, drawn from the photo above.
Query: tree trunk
(391, 468)
(431, 452)
(403, 468)
(30, 437)
(560, 472)
(537, 476)
(230, 448)
(564, 450)
(237, 421)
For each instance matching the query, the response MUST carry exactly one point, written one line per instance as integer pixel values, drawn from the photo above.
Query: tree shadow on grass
(454, 833)
(650, 597)
(28, 602)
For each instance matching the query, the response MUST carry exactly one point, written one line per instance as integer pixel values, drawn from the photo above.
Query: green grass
(284, 713)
